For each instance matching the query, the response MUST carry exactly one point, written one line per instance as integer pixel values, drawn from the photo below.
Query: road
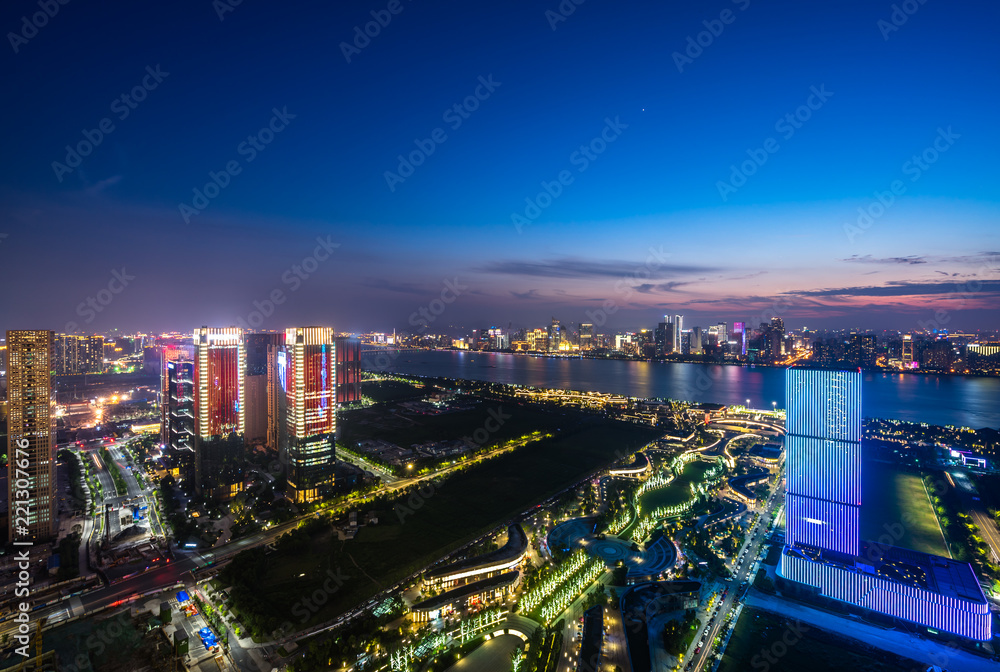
(742, 570)
(987, 528)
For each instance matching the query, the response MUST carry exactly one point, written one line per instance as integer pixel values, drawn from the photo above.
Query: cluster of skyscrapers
(275, 391)
(227, 393)
(668, 338)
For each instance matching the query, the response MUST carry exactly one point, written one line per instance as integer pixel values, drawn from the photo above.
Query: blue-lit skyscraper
(823, 459)
(823, 550)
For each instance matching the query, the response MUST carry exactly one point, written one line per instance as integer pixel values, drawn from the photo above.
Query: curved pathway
(656, 558)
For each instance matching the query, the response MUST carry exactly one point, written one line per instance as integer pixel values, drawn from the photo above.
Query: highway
(742, 566)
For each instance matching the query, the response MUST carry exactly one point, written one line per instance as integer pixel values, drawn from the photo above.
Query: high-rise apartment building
(30, 435)
(348, 370)
(555, 335)
(311, 410)
(586, 335)
(824, 554)
(663, 337)
(861, 350)
(256, 382)
(220, 410)
(74, 354)
(907, 354)
(740, 336)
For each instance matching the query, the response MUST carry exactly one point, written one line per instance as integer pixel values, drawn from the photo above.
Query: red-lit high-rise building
(219, 410)
(310, 382)
(348, 370)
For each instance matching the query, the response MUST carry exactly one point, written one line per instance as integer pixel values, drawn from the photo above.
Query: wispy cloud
(391, 286)
(528, 295)
(869, 259)
(903, 288)
(571, 267)
(649, 288)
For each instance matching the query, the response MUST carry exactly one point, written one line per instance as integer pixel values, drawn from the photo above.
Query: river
(966, 401)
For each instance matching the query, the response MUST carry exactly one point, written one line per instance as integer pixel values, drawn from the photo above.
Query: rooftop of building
(934, 573)
(765, 450)
(517, 544)
(466, 590)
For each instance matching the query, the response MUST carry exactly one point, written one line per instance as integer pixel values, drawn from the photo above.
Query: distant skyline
(897, 121)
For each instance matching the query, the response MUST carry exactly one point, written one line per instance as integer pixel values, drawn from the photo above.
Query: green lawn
(894, 503)
(465, 506)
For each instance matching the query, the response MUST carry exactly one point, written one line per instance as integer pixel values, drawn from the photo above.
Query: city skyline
(314, 215)
(462, 337)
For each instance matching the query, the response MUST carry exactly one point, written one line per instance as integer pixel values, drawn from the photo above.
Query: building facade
(75, 355)
(30, 435)
(256, 382)
(348, 370)
(824, 554)
(311, 410)
(220, 410)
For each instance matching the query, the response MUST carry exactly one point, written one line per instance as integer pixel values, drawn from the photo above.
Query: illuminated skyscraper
(219, 404)
(256, 382)
(824, 554)
(678, 328)
(663, 337)
(348, 370)
(311, 403)
(586, 335)
(73, 354)
(823, 459)
(907, 354)
(555, 335)
(740, 335)
(30, 435)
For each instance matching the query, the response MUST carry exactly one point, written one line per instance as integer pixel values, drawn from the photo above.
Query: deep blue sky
(777, 243)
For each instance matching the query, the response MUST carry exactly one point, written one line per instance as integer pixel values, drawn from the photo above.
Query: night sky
(678, 184)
